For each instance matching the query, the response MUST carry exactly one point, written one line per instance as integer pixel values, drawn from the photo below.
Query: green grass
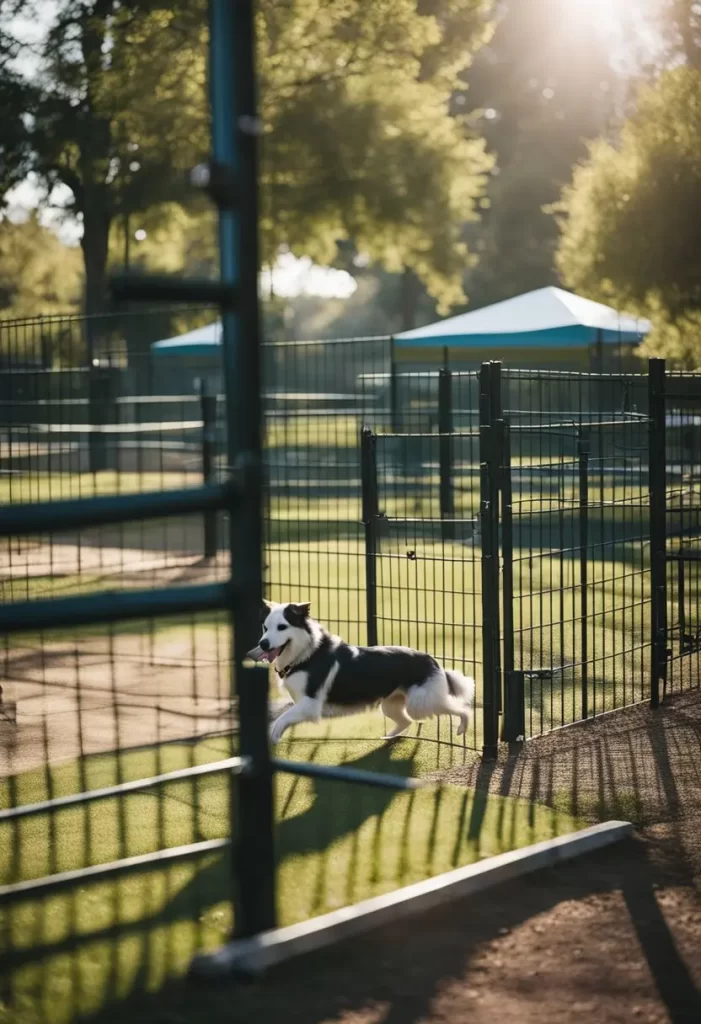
(78, 950)
(433, 602)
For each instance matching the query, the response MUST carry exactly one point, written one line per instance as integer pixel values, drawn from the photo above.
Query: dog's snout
(265, 645)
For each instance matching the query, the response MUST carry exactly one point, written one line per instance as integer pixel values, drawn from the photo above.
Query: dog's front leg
(307, 710)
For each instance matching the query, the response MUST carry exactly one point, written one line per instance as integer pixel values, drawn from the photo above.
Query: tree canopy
(358, 141)
(37, 273)
(629, 220)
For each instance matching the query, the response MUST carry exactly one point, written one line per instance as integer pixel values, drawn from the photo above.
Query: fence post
(370, 511)
(234, 141)
(657, 451)
(101, 413)
(394, 420)
(489, 499)
(583, 454)
(514, 722)
(208, 412)
(445, 451)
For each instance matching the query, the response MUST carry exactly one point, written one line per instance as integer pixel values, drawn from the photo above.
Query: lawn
(433, 601)
(79, 950)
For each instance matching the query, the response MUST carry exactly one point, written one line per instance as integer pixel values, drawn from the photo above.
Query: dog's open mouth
(258, 654)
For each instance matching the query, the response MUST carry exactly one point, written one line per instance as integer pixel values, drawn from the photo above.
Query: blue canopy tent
(549, 326)
(178, 362)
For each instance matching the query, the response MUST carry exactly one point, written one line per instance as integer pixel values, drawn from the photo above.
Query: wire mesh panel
(427, 554)
(683, 529)
(317, 396)
(575, 535)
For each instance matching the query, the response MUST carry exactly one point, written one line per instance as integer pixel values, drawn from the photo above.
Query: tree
(38, 274)
(119, 114)
(14, 101)
(358, 138)
(542, 86)
(629, 220)
(360, 143)
(678, 22)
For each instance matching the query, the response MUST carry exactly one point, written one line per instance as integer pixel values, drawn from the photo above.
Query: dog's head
(287, 633)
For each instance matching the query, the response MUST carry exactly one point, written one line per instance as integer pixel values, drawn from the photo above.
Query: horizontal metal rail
(75, 513)
(170, 288)
(342, 774)
(233, 764)
(80, 876)
(684, 556)
(115, 606)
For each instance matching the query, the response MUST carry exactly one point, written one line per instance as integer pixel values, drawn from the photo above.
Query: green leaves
(629, 220)
(359, 142)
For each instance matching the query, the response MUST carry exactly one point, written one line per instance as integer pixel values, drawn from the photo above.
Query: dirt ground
(608, 939)
(98, 694)
(102, 691)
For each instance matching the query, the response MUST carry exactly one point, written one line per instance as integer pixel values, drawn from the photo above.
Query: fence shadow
(401, 970)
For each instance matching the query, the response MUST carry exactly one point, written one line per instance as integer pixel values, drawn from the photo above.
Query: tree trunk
(95, 243)
(410, 287)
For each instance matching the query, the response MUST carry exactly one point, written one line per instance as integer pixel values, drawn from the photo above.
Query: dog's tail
(461, 687)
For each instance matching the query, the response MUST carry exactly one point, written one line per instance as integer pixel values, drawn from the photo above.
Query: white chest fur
(296, 684)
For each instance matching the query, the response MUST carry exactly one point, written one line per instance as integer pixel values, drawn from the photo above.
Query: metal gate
(230, 178)
(529, 547)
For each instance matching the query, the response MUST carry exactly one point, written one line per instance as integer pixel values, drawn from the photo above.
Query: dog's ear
(268, 604)
(297, 614)
(265, 609)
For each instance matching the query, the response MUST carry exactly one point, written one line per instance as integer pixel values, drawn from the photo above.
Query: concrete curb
(251, 956)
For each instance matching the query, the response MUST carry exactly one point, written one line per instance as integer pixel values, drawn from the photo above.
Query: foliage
(14, 100)
(678, 23)
(629, 220)
(359, 141)
(37, 273)
(358, 138)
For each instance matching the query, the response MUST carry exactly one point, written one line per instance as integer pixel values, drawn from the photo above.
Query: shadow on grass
(404, 968)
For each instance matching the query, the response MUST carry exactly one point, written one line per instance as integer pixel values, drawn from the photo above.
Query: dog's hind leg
(394, 708)
(433, 698)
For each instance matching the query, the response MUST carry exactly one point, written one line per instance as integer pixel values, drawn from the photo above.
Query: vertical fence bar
(101, 406)
(498, 423)
(657, 450)
(489, 496)
(370, 511)
(394, 417)
(445, 451)
(235, 128)
(514, 721)
(208, 412)
(583, 453)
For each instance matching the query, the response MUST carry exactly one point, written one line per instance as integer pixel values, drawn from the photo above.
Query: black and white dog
(327, 677)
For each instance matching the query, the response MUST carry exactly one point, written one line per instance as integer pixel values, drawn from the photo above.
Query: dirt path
(98, 694)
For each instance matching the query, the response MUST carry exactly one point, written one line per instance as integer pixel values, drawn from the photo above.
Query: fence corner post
(370, 511)
(489, 518)
(394, 419)
(657, 453)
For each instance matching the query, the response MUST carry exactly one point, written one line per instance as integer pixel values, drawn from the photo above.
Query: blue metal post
(234, 133)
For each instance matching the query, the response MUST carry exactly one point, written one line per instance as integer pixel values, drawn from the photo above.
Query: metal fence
(537, 530)
(575, 480)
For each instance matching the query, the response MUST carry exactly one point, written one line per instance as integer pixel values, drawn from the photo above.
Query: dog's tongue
(268, 656)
